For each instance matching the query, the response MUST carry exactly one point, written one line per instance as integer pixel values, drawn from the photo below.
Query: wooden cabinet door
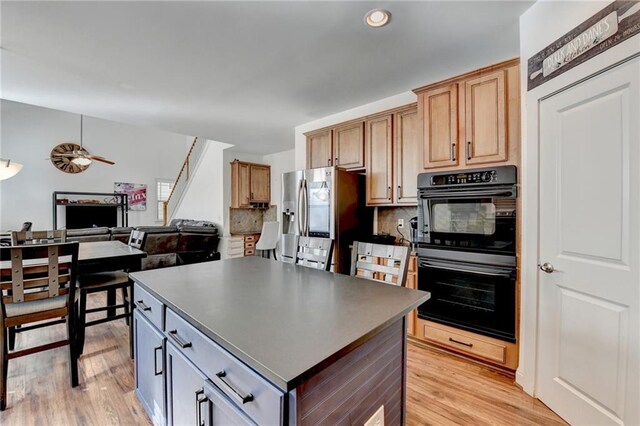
(348, 146)
(319, 149)
(149, 374)
(406, 159)
(185, 387)
(243, 186)
(260, 186)
(485, 112)
(438, 112)
(379, 158)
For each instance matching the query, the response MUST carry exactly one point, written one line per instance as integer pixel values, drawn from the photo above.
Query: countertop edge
(264, 371)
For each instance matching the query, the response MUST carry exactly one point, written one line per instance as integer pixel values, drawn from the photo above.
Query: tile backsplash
(242, 221)
(388, 220)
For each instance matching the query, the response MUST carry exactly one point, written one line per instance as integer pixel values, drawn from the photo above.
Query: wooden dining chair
(37, 283)
(314, 252)
(103, 282)
(38, 237)
(378, 262)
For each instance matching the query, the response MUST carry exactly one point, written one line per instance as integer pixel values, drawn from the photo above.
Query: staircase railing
(182, 180)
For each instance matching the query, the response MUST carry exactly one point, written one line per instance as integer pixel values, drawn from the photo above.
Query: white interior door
(588, 352)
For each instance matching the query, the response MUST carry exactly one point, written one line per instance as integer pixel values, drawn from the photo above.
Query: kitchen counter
(283, 320)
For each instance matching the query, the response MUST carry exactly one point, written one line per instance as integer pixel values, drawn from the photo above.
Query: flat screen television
(79, 216)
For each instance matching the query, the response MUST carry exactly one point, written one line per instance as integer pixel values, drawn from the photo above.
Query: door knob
(546, 267)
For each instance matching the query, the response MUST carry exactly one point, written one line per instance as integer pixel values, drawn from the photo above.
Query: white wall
(204, 195)
(29, 133)
(280, 162)
(540, 26)
(361, 111)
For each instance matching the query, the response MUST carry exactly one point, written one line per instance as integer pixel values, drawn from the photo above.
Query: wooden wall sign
(615, 23)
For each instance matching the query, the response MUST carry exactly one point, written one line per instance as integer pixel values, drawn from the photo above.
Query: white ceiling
(244, 73)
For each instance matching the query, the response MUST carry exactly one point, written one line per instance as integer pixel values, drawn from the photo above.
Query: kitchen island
(254, 341)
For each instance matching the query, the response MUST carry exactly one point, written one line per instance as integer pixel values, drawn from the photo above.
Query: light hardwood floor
(442, 389)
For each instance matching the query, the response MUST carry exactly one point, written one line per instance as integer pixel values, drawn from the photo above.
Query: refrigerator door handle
(306, 209)
(299, 218)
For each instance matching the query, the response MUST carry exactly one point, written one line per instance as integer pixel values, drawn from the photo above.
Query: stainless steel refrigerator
(326, 202)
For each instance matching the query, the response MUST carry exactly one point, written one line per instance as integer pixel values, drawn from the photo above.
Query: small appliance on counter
(413, 226)
(385, 239)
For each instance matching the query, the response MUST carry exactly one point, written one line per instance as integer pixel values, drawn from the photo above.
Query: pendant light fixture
(8, 168)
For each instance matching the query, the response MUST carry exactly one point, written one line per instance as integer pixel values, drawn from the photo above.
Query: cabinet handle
(389, 192)
(199, 401)
(142, 306)
(174, 335)
(155, 361)
(469, 345)
(336, 161)
(399, 192)
(328, 161)
(468, 150)
(453, 151)
(243, 399)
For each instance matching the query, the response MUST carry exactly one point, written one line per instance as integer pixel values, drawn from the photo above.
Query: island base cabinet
(149, 346)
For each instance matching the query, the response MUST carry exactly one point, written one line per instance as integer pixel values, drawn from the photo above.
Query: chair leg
(73, 347)
(274, 255)
(12, 338)
(81, 322)
(126, 304)
(268, 254)
(4, 365)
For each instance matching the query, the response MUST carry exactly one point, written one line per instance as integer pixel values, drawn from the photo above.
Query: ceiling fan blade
(101, 159)
(66, 155)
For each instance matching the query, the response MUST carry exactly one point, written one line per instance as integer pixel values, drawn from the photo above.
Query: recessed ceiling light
(377, 18)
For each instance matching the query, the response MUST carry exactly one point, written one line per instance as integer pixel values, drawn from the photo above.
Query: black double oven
(466, 245)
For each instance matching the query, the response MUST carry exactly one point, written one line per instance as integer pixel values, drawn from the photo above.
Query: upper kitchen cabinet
(485, 112)
(438, 109)
(348, 145)
(319, 149)
(472, 119)
(407, 162)
(379, 157)
(250, 185)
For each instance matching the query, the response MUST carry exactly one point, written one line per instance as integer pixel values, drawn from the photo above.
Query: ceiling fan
(80, 156)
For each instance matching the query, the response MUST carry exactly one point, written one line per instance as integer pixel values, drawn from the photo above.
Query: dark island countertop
(285, 321)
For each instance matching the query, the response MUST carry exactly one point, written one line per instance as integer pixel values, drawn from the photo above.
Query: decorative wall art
(615, 23)
(137, 193)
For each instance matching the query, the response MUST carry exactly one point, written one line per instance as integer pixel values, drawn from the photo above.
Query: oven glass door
(481, 223)
(472, 297)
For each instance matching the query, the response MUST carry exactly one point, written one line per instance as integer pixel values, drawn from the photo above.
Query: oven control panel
(464, 178)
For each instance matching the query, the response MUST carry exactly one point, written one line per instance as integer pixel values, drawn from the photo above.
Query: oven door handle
(444, 267)
(430, 195)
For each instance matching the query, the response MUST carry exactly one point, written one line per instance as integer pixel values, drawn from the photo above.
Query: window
(164, 188)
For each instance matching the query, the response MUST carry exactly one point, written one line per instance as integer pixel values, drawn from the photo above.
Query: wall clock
(62, 155)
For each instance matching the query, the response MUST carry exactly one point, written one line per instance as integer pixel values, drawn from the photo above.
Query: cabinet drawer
(249, 245)
(149, 306)
(262, 401)
(249, 238)
(462, 343)
(249, 252)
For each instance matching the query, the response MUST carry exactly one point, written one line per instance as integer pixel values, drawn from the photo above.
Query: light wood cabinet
(407, 162)
(438, 109)
(319, 149)
(472, 119)
(412, 283)
(250, 184)
(485, 127)
(348, 145)
(379, 157)
(260, 178)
